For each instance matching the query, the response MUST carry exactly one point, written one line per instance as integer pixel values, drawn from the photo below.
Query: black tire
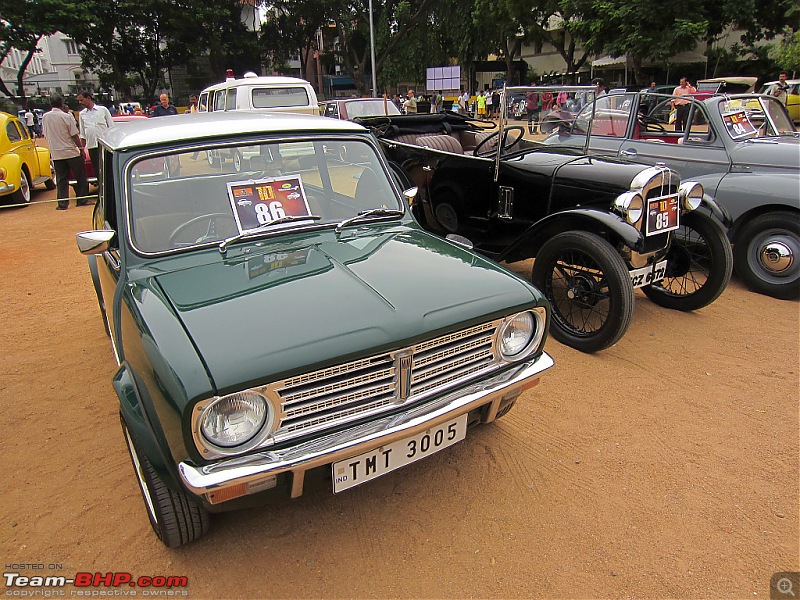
(699, 265)
(236, 156)
(213, 158)
(23, 194)
(766, 255)
(50, 184)
(176, 518)
(589, 289)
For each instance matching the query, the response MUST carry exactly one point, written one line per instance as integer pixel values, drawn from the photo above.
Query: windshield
(204, 196)
(371, 108)
(754, 116)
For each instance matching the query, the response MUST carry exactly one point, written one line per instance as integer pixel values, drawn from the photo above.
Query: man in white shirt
(29, 119)
(94, 120)
(65, 146)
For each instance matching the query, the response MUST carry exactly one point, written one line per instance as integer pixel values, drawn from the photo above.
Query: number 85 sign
(259, 202)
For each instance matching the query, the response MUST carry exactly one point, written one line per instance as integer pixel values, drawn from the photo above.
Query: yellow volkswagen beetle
(23, 164)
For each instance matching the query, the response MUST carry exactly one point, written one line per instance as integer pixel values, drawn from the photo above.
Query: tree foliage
(24, 22)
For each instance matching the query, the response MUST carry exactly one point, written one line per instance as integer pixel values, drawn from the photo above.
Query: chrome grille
(366, 387)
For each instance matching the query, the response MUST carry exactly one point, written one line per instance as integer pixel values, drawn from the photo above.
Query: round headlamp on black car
(690, 194)
(521, 334)
(630, 205)
(235, 419)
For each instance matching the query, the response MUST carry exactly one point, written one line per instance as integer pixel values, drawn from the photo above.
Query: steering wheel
(520, 131)
(210, 234)
(646, 121)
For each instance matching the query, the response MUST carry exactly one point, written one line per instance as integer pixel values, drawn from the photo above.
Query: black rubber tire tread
(720, 269)
(788, 221)
(50, 184)
(18, 197)
(615, 274)
(179, 518)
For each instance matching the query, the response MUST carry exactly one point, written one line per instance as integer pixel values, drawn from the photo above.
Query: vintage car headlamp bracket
(690, 194)
(631, 206)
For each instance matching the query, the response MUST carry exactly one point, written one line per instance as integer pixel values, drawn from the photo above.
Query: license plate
(662, 215)
(371, 465)
(648, 275)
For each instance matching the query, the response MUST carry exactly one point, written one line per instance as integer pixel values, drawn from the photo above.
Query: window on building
(72, 47)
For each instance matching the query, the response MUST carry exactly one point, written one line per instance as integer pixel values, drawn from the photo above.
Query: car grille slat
(341, 394)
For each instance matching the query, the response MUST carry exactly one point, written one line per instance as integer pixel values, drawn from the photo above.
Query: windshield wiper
(381, 212)
(223, 246)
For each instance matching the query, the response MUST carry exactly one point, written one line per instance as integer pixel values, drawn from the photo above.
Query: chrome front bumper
(252, 469)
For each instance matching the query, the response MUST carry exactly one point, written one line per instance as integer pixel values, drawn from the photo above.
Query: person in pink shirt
(681, 106)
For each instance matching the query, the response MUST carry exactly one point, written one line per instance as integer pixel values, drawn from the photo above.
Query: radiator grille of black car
(343, 393)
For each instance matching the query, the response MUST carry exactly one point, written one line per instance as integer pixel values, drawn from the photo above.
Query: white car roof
(202, 126)
(267, 80)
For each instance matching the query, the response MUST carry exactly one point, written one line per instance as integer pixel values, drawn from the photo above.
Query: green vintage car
(283, 314)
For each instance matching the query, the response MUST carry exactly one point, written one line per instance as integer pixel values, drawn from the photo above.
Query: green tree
(138, 42)
(24, 22)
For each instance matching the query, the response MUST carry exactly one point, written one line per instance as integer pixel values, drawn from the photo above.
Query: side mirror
(94, 242)
(410, 194)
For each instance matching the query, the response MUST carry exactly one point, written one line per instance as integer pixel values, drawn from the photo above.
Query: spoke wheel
(767, 255)
(589, 290)
(175, 517)
(699, 265)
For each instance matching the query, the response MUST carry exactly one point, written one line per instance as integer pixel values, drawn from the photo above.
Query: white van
(254, 93)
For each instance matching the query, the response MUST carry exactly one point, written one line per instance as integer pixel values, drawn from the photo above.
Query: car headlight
(235, 419)
(631, 206)
(690, 194)
(520, 334)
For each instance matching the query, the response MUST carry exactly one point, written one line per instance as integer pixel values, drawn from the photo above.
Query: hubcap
(776, 257)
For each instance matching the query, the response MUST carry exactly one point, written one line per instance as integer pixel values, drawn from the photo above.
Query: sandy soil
(666, 466)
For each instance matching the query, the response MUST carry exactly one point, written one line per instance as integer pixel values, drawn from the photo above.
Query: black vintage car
(598, 228)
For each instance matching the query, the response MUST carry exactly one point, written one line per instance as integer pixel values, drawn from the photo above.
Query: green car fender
(140, 426)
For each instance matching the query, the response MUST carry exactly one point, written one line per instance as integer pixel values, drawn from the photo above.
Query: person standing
(411, 103)
(65, 145)
(495, 103)
(682, 105)
(164, 107)
(193, 105)
(29, 121)
(489, 106)
(94, 120)
(480, 100)
(533, 106)
(780, 89)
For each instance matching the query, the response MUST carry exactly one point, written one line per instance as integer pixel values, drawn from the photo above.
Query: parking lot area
(665, 466)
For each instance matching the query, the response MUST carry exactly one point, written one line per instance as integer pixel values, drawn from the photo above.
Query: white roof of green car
(204, 126)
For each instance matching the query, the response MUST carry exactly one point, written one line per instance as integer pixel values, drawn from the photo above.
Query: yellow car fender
(43, 162)
(10, 164)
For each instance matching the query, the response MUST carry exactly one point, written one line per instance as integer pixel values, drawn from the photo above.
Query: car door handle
(628, 153)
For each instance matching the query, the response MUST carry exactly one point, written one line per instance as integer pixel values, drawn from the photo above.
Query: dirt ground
(666, 466)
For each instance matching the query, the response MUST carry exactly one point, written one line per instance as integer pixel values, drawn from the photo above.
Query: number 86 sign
(259, 202)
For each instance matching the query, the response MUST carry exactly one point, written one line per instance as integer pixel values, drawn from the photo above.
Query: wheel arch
(140, 426)
(754, 212)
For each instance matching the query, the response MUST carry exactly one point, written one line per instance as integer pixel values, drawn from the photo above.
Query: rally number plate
(649, 274)
(371, 465)
(662, 215)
